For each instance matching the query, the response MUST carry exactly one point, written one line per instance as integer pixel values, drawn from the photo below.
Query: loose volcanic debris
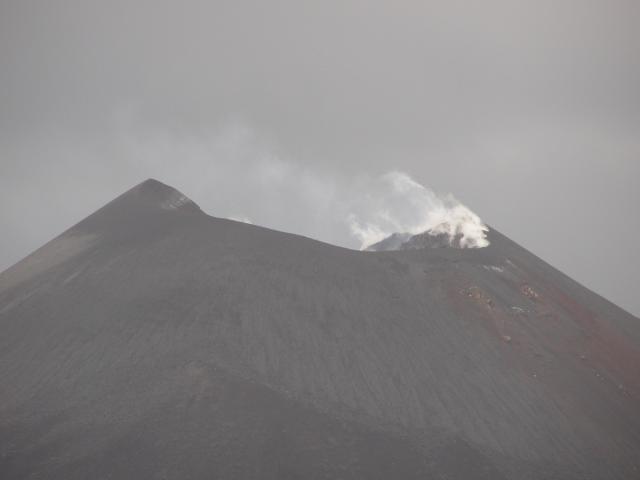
(477, 294)
(529, 292)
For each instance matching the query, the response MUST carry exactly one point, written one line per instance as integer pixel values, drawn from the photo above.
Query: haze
(288, 113)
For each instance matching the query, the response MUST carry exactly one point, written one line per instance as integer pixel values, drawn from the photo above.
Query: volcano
(152, 341)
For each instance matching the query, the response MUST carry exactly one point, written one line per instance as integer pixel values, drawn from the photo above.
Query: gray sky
(286, 112)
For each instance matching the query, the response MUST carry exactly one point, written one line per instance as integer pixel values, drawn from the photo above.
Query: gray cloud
(529, 112)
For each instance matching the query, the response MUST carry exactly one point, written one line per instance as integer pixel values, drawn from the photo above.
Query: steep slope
(154, 341)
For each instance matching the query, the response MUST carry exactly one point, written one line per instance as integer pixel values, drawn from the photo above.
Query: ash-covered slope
(154, 341)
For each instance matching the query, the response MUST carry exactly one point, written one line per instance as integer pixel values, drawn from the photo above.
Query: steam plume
(395, 203)
(236, 172)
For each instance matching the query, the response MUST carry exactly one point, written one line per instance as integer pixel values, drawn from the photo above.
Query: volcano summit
(151, 340)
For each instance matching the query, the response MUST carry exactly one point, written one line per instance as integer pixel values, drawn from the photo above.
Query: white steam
(395, 203)
(233, 171)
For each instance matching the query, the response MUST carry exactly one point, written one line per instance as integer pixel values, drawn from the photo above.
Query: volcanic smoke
(399, 204)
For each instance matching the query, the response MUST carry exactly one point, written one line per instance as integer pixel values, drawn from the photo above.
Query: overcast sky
(286, 113)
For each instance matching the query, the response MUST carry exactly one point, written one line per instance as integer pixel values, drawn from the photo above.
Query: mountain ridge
(193, 340)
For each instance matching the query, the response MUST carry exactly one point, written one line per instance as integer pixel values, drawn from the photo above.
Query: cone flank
(153, 342)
